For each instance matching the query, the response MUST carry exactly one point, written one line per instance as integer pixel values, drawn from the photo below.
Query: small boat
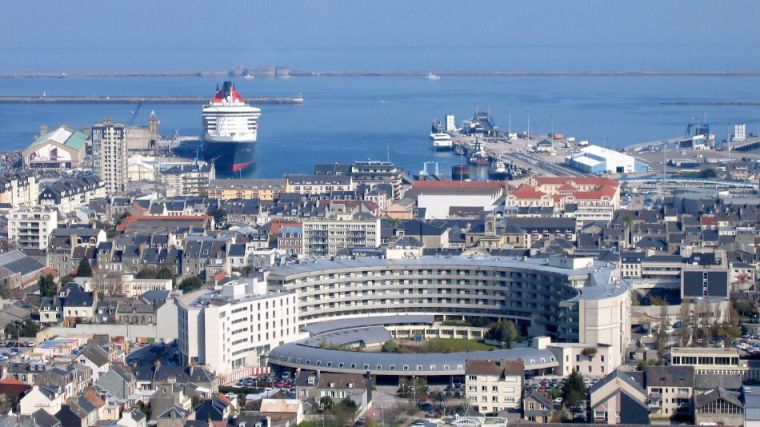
(498, 170)
(441, 141)
(249, 77)
(432, 76)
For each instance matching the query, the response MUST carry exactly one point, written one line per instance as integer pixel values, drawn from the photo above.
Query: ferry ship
(441, 141)
(230, 128)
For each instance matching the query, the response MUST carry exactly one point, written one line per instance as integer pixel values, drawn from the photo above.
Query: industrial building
(598, 160)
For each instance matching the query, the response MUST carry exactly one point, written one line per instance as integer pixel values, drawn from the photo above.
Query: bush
(190, 284)
(390, 346)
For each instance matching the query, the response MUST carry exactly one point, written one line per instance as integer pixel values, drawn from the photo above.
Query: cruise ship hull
(231, 159)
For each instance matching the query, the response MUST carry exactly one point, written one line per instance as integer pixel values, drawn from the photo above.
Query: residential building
(493, 385)
(187, 179)
(30, 228)
(230, 328)
(70, 194)
(670, 390)
(316, 385)
(42, 397)
(327, 236)
(537, 408)
(109, 153)
(18, 189)
(245, 189)
(318, 184)
(619, 398)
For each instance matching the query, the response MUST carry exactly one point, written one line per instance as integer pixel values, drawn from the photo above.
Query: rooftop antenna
(510, 122)
(387, 153)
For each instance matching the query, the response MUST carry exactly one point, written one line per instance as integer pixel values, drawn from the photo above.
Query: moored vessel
(230, 130)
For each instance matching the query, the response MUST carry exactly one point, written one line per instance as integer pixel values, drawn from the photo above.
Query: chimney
(43, 129)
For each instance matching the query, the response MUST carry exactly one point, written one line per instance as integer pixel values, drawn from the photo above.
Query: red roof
(580, 180)
(527, 192)
(12, 381)
(596, 194)
(567, 187)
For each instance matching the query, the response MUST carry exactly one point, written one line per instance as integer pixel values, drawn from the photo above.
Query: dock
(139, 99)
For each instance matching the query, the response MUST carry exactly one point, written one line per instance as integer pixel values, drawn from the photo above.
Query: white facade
(46, 399)
(109, 152)
(233, 326)
(133, 287)
(327, 236)
(30, 228)
(438, 205)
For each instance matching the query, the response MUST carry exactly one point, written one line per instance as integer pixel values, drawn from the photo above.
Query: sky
(37, 35)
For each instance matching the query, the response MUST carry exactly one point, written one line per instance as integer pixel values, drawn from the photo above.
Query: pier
(139, 99)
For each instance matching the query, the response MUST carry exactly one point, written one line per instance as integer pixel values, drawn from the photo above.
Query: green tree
(573, 389)
(708, 173)
(84, 269)
(326, 403)
(219, 214)
(145, 408)
(190, 284)
(164, 273)
(504, 331)
(21, 329)
(47, 285)
(390, 346)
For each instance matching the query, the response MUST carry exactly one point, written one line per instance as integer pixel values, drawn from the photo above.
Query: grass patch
(436, 345)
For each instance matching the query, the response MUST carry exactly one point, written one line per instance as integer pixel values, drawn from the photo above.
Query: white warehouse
(596, 159)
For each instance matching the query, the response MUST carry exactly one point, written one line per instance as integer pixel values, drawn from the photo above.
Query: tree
(190, 284)
(145, 408)
(84, 269)
(326, 403)
(47, 285)
(219, 214)
(164, 273)
(19, 329)
(390, 346)
(504, 331)
(573, 389)
(708, 173)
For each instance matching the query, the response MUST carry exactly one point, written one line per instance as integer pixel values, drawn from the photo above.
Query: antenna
(388, 153)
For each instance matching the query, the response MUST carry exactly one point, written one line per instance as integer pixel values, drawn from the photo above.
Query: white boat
(441, 141)
(432, 76)
(249, 77)
(228, 118)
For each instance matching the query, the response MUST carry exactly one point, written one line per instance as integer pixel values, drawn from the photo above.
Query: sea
(344, 119)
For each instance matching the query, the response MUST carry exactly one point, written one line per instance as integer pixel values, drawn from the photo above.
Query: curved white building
(572, 300)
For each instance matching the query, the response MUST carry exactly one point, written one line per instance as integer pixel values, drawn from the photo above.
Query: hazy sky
(179, 24)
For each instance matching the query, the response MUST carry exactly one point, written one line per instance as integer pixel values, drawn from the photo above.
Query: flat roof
(541, 264)
(299, 355)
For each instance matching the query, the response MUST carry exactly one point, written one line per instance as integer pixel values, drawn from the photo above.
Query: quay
(139, 99)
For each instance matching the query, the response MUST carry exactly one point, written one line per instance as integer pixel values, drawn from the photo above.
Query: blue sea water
(356, 118)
